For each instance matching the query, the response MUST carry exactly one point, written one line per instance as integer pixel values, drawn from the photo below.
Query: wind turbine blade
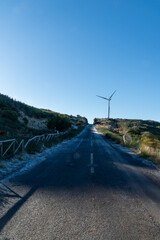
(102, 97)
(112, 94)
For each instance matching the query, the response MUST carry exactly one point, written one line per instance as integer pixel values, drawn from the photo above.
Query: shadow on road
(60, 175)
(14, 208)
(5, 193)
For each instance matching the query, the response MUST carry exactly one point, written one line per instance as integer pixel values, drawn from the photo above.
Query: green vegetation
(21, 121)
(59, 123)
(25, 120)
(143, 137)
(80, 123)
(110, 134)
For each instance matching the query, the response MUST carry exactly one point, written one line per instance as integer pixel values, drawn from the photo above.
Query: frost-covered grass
(25, 161)
(16, 164)
(34, 147)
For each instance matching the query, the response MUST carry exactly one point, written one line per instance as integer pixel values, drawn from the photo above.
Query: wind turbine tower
(109, 100)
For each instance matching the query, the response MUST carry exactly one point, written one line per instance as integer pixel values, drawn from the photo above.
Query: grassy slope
(11, 112)
(141, 136)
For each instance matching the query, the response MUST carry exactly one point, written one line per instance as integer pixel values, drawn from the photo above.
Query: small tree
(124, 130)
(59, 123)
(25, 120)
(79, 123)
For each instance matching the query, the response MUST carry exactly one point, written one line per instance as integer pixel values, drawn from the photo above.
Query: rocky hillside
(19, 120)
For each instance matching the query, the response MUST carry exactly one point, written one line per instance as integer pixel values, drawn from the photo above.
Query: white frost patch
(135, 156)
(10, 168)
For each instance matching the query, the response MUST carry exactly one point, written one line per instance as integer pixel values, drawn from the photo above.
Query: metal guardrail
(15, 146)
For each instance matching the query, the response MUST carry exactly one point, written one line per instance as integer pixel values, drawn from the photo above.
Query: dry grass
(143, 137)
(152, 154)
(110, 134)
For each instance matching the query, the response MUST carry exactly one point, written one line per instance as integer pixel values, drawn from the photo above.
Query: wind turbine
(108, 99)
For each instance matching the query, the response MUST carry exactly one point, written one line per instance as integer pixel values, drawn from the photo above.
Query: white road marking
(92, 168)
(91, 158)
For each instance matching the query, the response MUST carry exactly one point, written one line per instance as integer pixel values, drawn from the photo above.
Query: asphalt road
(88, 189)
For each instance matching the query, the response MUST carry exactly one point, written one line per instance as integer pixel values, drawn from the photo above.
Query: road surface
(88, 189)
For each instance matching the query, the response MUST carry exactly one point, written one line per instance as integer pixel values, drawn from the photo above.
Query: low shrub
(59, 123)
(150, 140)
(25, 120)
(12, 115)
(150, 153)
(34, 147)
(133, 143)
(110, 134)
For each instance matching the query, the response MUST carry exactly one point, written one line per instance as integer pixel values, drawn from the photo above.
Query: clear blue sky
(58, 54)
